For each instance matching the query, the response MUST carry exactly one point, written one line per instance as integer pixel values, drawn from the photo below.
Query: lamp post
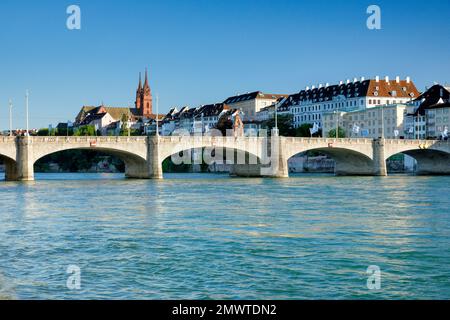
(276, 118)
(26, 111)
(157, 120)
(10, 118)
(128, 122)
(337, 124)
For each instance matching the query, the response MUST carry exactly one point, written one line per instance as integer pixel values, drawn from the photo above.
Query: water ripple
(212, 237)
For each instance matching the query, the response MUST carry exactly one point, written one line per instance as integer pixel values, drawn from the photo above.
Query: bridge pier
(154, 161)
(278, 166)
(25, 161)
(379, 159)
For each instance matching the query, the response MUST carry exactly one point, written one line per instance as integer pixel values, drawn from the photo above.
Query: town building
(368, 123)
(193, 120)
(231, 119)
(252, 102)
(268, 112)
(99, 118)
(309, 105)
(134, 118)
(428, 116)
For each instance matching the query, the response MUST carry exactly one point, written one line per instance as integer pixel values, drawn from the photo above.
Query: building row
(371, 108)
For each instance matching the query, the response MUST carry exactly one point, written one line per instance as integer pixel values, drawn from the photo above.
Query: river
(209, 236)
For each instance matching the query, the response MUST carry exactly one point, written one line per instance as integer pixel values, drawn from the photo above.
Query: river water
(209, 236)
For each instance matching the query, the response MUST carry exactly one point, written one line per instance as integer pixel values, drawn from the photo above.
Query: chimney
(320, 85)
(348, 81)
(387, 79)
(397, 79)
(355, 80)
(362, 79)
(327, 85)
(307, 88)
(313, 87)
(377, 78)
(408, 79)
(341, 82)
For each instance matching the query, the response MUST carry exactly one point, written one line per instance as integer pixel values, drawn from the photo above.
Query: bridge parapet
(7, 139)
(82, 139)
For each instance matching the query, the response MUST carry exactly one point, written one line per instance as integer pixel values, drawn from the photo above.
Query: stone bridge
(250, 156)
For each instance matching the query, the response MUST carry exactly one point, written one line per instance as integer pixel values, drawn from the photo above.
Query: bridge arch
(11, 171)
(432, 157)
(237, 161)
(241, 151)
(134, 157)
(8, 155)
(347, 161)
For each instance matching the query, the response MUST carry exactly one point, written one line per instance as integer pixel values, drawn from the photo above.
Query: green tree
(285, 125)
(332, 133)
(87, 130)
(45, 132)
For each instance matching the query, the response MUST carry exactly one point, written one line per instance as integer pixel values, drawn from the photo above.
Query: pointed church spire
(146, 79)
(139, 91)
(140, 82)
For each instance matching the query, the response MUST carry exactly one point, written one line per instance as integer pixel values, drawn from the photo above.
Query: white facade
(369, 123)
(309, 106)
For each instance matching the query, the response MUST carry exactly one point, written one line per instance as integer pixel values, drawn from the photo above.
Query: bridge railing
(328, 140)
(414, 141)
(89, 139)
(208, 139)
(7, 139)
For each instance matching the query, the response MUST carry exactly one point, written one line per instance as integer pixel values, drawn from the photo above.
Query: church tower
(144, 103)
(147, 106)
(138, 102)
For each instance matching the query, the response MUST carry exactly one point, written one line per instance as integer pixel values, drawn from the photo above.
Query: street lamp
(337, 124)
(26, 111)
(10, 118)
(157, 112)
(276, 118)
(128, 122)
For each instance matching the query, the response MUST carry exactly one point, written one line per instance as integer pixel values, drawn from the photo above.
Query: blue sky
(203, 51)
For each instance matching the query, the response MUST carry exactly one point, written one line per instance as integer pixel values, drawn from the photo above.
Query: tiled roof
(432, 98)
(212, 110)
(252, 96)
(115, 113)
(440, 105)
(366, 88)
(91, 117)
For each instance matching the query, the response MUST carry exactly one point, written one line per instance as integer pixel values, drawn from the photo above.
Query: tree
(303, 131)
(332, 133)
(285, 125)
(87, 130)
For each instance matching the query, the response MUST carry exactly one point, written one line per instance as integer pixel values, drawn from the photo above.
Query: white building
(368, 123)
(309, 105)
(252, 102)
(428, 116)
